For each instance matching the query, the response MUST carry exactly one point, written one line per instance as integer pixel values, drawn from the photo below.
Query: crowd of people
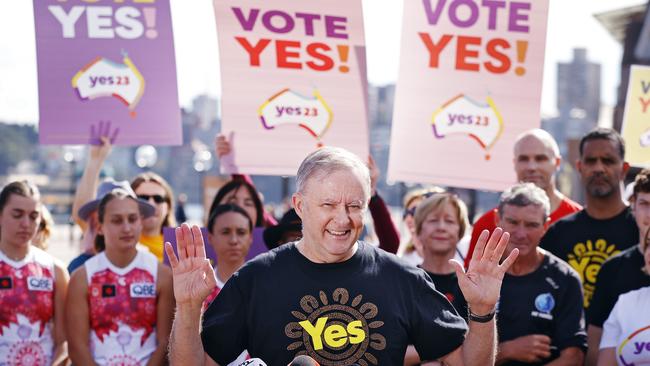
(541, 280)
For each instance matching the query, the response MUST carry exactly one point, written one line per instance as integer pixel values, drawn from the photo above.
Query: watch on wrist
(482, 318)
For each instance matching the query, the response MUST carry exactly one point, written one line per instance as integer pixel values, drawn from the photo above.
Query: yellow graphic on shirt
(335, 333)
(586, 259)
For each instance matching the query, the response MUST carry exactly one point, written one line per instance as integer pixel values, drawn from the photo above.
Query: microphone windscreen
(253, 362)
(304, 360)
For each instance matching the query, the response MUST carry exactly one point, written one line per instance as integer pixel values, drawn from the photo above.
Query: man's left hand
(481, 284)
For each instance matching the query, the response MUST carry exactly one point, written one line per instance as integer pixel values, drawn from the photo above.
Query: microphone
(253, 362)
(304, 360)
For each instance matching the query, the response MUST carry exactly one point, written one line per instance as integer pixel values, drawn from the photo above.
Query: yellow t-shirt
(154, 244)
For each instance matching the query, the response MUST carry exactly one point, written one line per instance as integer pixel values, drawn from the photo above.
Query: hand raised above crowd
(481, 284)
(102, 140)
(194, 277)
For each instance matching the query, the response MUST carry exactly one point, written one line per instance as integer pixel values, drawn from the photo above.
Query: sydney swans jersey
(122, 307)
(27, 309)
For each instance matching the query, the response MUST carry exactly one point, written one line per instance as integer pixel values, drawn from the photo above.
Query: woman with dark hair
(230, 233)
(120, 303)
(32, 284)
(243, 194)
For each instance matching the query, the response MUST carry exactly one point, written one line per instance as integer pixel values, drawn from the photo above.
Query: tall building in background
(206, 111)
(578, 86)
(578, 103)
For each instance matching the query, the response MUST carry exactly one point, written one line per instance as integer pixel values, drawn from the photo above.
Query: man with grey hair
(536, 160)
(541, 320)
(329, 296)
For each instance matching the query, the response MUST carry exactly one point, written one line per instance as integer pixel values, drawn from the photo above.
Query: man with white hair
(536, 160)
(329, 296)
(541, 320)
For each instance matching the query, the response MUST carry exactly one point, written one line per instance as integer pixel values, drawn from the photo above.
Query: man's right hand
(193, 275)
(530, 348)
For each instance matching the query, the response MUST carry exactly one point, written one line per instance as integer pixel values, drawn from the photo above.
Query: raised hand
(193, 275)
(101, 140)
(222, 144)
(224, 147)
(102, 129)
(481, 284)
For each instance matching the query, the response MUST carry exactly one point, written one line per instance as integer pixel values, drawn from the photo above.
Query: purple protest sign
(112, 61)
(257, 247)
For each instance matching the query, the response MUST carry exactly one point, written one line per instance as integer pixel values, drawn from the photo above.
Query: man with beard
(622, 273)
(606, 226)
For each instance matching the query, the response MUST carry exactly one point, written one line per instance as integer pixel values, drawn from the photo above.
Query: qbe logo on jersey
(40, 284)
(143, 289)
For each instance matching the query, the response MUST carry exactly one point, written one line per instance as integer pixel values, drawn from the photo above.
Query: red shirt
(488, 222)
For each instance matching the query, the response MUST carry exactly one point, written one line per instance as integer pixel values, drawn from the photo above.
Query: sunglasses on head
(156, 197)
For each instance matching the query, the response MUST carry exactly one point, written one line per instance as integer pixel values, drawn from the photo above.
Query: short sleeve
(570, 330)
(612, 327)
(604, 296)
(224, 333)
(436, 329)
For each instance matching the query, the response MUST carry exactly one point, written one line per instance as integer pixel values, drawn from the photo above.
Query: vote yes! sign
(106, 60)
(470, 81)
(294, 79)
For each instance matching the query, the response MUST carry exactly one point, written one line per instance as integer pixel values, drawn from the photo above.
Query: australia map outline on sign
(103, 77)
(462, 115)
(288, 107)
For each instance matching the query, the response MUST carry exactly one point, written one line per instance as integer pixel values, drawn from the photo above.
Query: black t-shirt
(620, 274)
(364, 310)
(447, 284)
(546, 301)
(586, 243)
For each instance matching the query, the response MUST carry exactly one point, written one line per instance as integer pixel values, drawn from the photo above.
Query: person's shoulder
(147, 255)
(622, 258)
(628, 214)
(571, 205)
(567, 222)
(560, 267)
(389, 263)
(487, 219)
(270, 259)
(42, 257)
(635, 296)
(94, 260)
